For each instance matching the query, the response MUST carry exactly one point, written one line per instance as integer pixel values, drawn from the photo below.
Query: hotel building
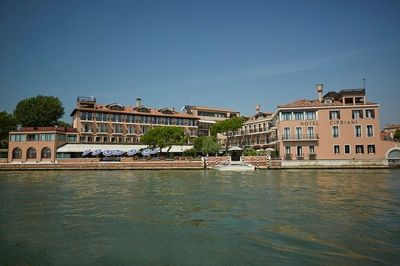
(337, 125)
(258, 132)
(114, 123)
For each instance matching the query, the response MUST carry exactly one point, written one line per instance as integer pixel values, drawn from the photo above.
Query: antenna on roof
(364, 83)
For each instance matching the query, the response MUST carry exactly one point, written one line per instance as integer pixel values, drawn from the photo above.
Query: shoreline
(196, 165)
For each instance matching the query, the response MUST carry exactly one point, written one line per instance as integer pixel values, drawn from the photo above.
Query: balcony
(312, 156)
(300, 137)
(288, 156)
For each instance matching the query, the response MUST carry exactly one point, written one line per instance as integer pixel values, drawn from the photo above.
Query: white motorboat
(235, 166)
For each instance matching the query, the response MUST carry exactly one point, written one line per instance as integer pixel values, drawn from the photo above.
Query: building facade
(38, 144)
(208, 116)
(338, 125)
(258, 132)
(114, 123)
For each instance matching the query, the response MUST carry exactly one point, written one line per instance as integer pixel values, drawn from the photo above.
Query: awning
(235, 148)
(125, 148)
(207, 121)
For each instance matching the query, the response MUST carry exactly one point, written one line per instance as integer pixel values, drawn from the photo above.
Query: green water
(302, 217)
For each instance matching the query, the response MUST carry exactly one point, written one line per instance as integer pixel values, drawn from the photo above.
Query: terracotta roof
(313, 103)
(132, 110)
(198, 107)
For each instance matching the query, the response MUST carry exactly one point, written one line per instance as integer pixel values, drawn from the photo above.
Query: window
(311, 149)
(298, 133)
(60, 137)
(286, 116)
(31, 153)
(47, 137)
(286, 133)
(102, 128)
(310, 133)
(370, 131)
(46, 153)
(32, 137)
(359, 149)
(86, 116)
(357, 114)
(131, 130)
(347, 149)
(72, 138)
(298, 116)
(101, 117)
(369, 113)
(17, 137)
(335, 131)
(336, 149)
(358, 131)
(116, 118)
(287, 149)
(311, 115)
(334, 115)
(17, 153)
(299, 151)
(371, 149)
(117, 129)
(87, 128)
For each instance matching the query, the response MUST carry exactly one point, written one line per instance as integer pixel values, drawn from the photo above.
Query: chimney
(257, 108)
(320, 88)
(138, 102)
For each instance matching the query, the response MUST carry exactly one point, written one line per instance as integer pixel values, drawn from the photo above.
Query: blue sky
(231, 54)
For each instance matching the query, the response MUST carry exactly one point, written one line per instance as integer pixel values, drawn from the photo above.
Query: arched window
(46, 153)
(17, 153)
(31, 153)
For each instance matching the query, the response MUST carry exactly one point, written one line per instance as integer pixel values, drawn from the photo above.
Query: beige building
(258, 132)
(114, 123)
(208, 116)
(39, 144)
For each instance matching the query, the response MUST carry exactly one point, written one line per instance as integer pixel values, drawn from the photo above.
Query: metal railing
(300, 137)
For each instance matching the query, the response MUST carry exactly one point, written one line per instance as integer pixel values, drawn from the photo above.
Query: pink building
(336, 126)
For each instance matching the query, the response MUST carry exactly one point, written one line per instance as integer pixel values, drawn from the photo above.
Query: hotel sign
(343, 122)
(309, 123)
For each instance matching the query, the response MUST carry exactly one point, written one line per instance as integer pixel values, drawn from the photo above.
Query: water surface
(200, 217)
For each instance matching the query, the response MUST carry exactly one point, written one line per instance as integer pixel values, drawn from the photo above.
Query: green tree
(209, 146)
(397, 134)
(227, 128)
(39, 111)
(7, 123)
(162, 137)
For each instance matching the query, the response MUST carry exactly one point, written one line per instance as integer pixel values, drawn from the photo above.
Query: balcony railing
(292, 137)
(252, 131)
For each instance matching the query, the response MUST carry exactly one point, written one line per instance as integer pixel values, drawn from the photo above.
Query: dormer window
(328, 101)
(142, 109)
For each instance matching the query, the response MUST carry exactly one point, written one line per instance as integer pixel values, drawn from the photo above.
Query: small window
(336, 149)
(357, 114)
(370, 113)
(334, 115)
(311, 149)
(347, 149)
(359, 149)
(335, 131)
(370, 131)
(371, 149)
(358, 131)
